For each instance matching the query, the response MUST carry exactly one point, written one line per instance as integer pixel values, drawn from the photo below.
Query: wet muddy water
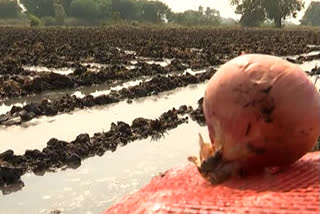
(100, 181)
(97, 119)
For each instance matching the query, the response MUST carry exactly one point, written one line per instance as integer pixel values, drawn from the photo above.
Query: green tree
(191, 17)
(200, 10)
(9, 9)
(312, 15)
(48, 20)
(154, 11)
(84, 9)
(105, 8)
(251, 11)
(127, 9)
(66, 6)
(256, 11)
(149, 12)
(34, 21)
(39, 8)
(279, 10)
(59, 14)
(212, 12)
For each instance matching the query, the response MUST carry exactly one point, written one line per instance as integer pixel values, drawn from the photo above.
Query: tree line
(253, 12)
(55, 12)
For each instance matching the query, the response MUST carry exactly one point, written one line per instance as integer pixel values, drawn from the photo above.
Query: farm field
(89, 115)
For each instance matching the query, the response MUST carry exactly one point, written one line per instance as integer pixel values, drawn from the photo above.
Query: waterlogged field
(89, 115)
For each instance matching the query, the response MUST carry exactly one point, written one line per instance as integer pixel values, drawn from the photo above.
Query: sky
(222, 5)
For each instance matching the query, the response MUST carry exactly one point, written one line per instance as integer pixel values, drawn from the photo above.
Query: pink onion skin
(262, 111)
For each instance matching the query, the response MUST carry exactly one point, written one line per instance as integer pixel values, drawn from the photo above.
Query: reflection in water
(63, 71)
(163, 63)
(313, 53)
(316, 80)
(81, 92)
(101, 181)
(97, 119)
(5, 108)
(21, 138)
(308, 66)
(313, 46)
(12, 188)
(116, 88)
(194, 72)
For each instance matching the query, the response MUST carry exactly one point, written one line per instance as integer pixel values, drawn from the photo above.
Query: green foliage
(154, 11)
(130, 12)
(66, 6)
(59, 14)
(105, 9)
(255, 12)
(39, 8)
(48, 21)
(128, 9)
(9, 9)
(252, 11)
(85, 9)
(279, 10)
(312, 15)
(34, 21)
(200, 17)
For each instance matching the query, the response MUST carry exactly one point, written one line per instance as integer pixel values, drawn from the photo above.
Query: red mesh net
(182, 190)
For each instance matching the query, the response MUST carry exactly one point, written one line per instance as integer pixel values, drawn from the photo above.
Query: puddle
(194, 72)
(5, 108)
(63, 71)
(163, 63)
(317, 81)
(116, 88)
(130, 67)
(101, 181)
(308, 66)
(313, 46)
(94, 67)
(97, 90)
(129, 52)
(196, 49)
(313, 53)
(97, 119)
(6, 105)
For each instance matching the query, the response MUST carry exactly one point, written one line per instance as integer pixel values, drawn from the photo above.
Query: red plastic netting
(182, 190)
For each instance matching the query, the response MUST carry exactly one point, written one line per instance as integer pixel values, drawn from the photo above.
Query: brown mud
(124, 53)
(59, 153)
(118, 47)
(68, 103)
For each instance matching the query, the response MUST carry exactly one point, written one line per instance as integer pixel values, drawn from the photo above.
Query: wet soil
(61, 153)
(109, 57)
(68, 103)
(119, 47)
